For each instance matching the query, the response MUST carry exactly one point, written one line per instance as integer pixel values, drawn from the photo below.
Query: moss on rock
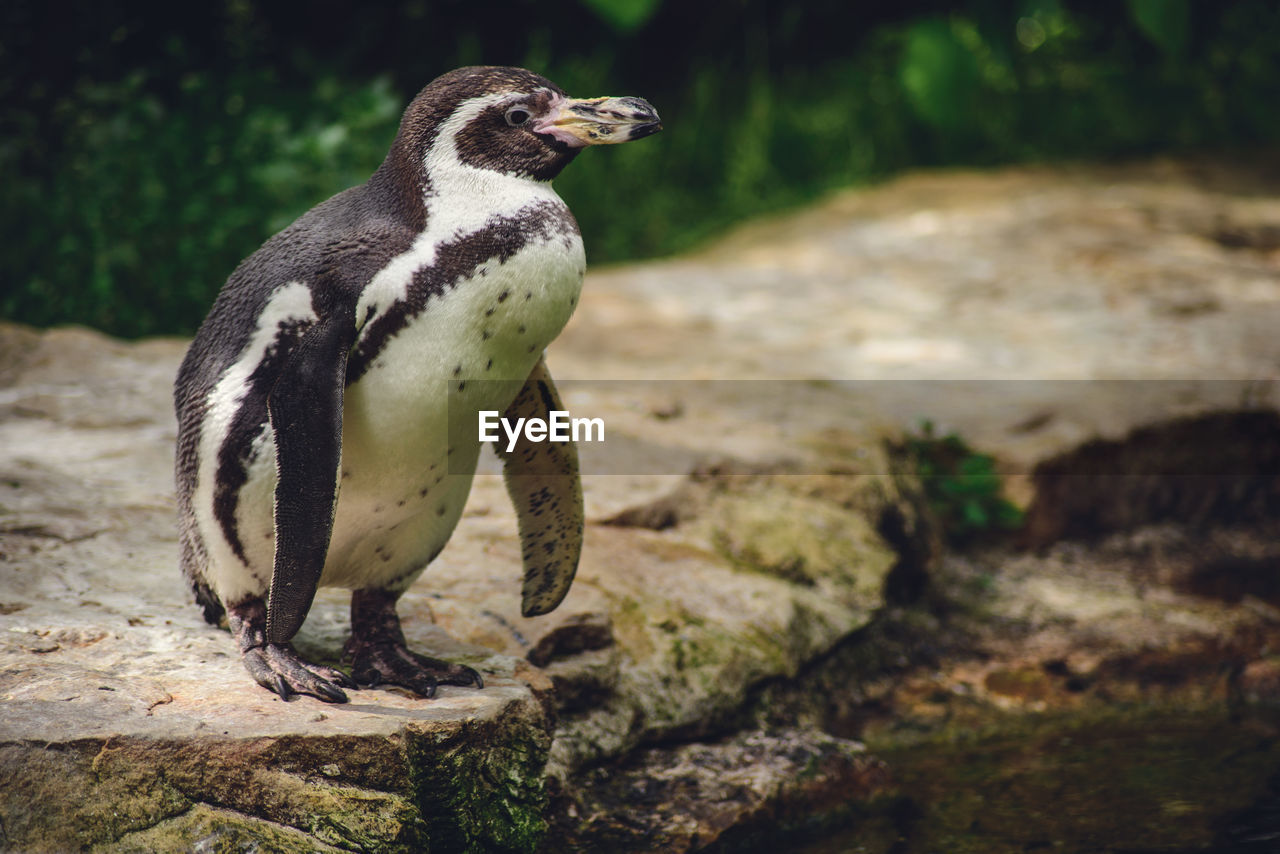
(483, 788)
(217, 831)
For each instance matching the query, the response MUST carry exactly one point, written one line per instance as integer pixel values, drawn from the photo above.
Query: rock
(1214, 468)
(581, 632)
(1260, 682)
(124, 712)
(207, 829)
(124, 762)
(119, 698)
(1030, 309)
(729, 792)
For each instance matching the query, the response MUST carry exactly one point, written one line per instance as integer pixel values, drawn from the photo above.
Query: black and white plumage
(316, 402)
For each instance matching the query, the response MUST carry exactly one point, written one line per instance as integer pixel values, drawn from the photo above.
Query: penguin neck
(443, 201)
(400, 188)
(463, 199)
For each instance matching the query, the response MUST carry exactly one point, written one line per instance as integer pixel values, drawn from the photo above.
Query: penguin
(327, 407)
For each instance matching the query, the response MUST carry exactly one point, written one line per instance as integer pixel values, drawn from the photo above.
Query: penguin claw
(332, 694)
(279, 669)
(453, 674)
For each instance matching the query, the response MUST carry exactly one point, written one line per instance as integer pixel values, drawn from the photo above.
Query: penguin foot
(379, 654)
(277, 666)
(394, 664)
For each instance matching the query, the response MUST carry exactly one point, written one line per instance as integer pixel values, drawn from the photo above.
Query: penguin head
(511, 121)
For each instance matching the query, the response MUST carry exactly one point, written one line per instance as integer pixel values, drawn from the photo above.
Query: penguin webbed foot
(379, 654)
(277, 666)
(394, 664)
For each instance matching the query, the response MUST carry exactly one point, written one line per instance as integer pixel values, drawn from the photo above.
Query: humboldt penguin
(327, 408)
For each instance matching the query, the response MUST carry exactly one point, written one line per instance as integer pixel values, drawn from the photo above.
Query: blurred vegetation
(146, 151)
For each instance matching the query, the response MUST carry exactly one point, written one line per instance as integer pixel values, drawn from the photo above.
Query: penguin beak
(600, 121)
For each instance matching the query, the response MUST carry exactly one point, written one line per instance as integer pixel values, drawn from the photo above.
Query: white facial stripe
(289, 303)
(460, 200)
(444, 151)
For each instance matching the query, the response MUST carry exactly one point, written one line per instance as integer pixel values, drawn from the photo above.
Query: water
(1151, 782)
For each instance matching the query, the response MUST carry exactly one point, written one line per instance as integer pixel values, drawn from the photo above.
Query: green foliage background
(145, 151)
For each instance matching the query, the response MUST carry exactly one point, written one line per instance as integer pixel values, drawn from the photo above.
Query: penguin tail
(208, 600)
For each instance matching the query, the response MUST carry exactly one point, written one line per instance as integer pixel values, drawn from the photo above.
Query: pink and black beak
(600, 121)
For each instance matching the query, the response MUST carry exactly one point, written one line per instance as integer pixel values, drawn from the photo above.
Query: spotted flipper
(542, 480)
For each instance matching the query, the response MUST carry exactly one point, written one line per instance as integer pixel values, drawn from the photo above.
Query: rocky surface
(685, 797)
(729, 633)
(122, 711)
(118, 699)
(982, 300)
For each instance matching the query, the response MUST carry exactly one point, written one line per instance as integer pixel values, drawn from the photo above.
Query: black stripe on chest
(456, 261)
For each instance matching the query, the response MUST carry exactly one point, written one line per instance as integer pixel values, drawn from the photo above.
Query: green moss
(57, 797)
(483, 789)
(217, 831)
(366, 821)
(802, 540)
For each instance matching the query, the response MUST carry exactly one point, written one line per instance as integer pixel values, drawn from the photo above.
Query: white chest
(409, 435)
(470, 347)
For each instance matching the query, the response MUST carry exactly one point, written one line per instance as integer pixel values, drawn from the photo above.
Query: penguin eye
(517, 116)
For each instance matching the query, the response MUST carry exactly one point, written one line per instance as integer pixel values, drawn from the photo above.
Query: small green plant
(962, 486)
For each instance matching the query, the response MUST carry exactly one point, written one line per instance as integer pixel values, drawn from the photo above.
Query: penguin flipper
(305, 407)
(542, 480)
